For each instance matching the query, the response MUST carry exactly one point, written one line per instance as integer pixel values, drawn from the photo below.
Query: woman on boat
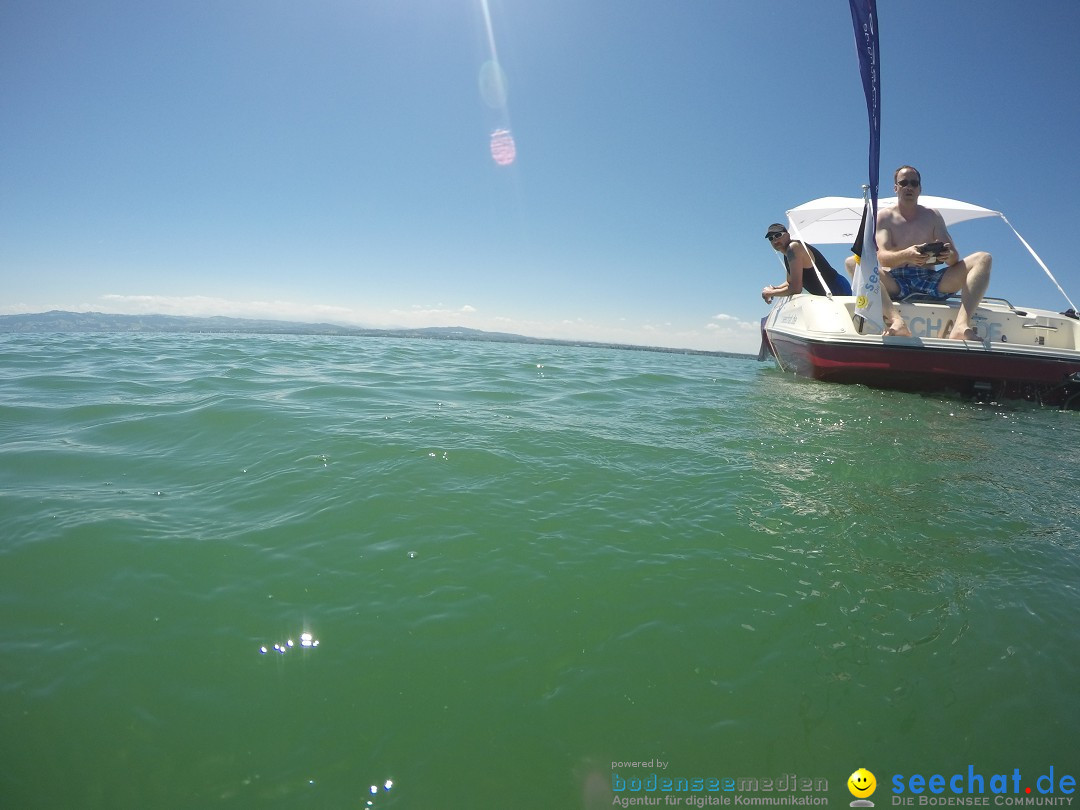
(801, 259)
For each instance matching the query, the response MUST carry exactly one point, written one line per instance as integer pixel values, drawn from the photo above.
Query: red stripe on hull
(929, 369)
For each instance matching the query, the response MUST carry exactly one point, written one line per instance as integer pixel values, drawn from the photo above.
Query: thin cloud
(208, 307)
(723, 332)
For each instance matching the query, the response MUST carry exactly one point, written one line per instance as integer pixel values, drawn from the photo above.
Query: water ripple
(513, 555)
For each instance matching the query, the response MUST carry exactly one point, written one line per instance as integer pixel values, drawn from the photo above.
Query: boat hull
(816, 339)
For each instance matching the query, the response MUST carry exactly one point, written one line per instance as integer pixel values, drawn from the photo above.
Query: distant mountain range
(58, 321)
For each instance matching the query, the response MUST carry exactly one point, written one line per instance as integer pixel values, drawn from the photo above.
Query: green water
(521, 564)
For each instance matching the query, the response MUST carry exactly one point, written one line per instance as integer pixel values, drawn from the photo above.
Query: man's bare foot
(897, 328)
(962, 333)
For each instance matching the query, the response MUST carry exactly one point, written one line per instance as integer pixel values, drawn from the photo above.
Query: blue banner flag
(867, 281)
(864, 17)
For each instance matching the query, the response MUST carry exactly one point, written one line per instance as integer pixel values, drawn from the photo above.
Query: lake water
(508, 572)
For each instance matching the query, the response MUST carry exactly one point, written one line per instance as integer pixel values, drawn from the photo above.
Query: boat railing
(954, 298)
(1003, 301)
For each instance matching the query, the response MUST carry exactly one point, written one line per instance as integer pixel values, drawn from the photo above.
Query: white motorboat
(1020, 352)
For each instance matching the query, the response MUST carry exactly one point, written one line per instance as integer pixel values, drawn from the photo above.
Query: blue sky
(331, 160)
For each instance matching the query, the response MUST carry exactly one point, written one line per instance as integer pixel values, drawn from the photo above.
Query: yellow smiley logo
(861, 783)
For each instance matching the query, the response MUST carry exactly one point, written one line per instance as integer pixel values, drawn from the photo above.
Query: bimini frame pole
(1035, 256)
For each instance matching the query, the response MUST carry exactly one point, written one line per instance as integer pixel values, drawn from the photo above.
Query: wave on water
(520, 561)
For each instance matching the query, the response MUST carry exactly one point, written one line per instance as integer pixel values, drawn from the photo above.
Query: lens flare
(503, 150)
(493, 86)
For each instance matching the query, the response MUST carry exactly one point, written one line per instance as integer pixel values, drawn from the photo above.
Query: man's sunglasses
(906, 183)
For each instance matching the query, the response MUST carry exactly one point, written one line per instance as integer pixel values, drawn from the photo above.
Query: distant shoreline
(85, 322)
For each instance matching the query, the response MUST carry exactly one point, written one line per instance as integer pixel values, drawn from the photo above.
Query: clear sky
(332, 160)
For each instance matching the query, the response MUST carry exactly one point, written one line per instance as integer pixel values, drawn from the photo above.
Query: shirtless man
(906, 270)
